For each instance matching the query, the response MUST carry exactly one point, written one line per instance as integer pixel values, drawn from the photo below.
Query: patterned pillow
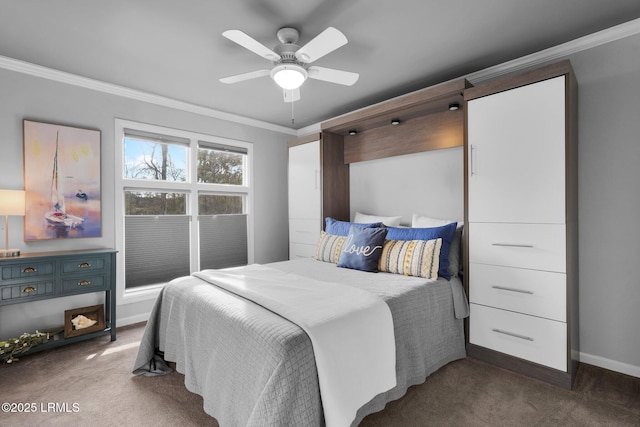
(362, 248)
(411, 257)
(329, 247)
(445, 232)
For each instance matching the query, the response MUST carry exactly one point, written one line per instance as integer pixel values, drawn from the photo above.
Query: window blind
(157, 249)
(222, 147)
(223, 240)
(155, 137)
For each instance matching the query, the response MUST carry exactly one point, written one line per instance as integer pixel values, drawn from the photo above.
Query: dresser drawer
(25, 270)
(83, 265)
(533, 246)
(304, 231)
(539, 293)
(81, 284)
(25, 291)
(531, 338)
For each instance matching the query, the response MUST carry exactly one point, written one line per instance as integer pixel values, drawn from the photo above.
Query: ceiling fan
(291, 62)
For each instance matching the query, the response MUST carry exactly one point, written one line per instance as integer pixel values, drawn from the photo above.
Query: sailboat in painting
(58, 216)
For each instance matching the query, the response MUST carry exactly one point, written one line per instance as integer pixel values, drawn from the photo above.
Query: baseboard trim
(126, 321)
(612, 365)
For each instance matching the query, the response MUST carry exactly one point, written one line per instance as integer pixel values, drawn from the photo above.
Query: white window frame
(191, 187)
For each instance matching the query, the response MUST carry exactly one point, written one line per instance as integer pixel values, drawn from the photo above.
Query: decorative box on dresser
(45, 275)
(522, 241)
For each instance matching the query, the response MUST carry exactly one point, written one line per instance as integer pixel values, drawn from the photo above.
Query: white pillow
(455, 250)
(420, 221)
(389, 221)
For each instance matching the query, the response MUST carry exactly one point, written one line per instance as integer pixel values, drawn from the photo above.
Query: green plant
(13, 346)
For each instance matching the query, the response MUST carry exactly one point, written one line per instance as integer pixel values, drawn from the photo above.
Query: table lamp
(11, 203)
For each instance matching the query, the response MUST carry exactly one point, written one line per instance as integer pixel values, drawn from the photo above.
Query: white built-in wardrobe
(521, 187)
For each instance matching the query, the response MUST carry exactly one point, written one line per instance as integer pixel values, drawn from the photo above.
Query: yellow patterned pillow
(329, 247)
(419, 258)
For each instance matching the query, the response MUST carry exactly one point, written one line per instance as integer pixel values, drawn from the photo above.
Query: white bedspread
(351, 331)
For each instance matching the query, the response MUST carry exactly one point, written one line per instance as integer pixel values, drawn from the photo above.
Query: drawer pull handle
(504, 288)
(84, 283)
(511, 334)
(512, 245)
(84, 265)
(29, 289)
(29, 270)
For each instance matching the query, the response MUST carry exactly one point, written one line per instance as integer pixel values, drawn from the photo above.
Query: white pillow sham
(389, 221)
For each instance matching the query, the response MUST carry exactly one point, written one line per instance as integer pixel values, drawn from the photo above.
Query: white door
(517, 155)
(304, 181)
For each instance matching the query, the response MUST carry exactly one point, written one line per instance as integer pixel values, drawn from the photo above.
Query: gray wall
(609, 203)
(44, 100)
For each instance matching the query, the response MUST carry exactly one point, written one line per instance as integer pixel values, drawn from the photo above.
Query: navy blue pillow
(341, 228)
(445, 232)
(362, 248)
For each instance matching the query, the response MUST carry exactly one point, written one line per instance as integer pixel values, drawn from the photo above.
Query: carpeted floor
(90, 384)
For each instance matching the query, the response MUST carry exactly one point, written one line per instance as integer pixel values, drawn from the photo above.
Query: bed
(254, 368)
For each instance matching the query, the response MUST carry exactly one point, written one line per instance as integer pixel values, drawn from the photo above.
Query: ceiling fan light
(289, 76)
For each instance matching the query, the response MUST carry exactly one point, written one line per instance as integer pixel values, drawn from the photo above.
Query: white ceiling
(175, 48)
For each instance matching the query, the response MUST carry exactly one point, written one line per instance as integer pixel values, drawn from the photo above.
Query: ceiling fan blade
(331, 75)
(252, 44)
(245, 76)
(291, 95)
(325, 42)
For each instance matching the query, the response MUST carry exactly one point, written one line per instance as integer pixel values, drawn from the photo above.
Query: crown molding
(599, 38)
(551, 54)
(561, 51)
(73, 79)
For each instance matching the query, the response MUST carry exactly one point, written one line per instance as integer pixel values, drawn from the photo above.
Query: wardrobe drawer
(304, 231)
(301, 250)
(533, 246)
(531, 338)
(539, 293)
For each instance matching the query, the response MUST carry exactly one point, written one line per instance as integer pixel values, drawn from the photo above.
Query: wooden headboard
(425, 122)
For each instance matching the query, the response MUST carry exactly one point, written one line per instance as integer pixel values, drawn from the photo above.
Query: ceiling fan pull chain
(292, 119)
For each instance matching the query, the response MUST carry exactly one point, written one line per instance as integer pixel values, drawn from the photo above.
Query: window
(183, 205)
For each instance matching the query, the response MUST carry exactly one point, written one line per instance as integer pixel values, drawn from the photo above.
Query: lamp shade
(12, 202)
(289, 76)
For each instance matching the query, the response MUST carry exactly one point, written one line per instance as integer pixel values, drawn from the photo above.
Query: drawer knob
(512, 245)
(29, 289)
(504, 288)
(513, 334)
(29, 270)
(84, 282)
(84, 265)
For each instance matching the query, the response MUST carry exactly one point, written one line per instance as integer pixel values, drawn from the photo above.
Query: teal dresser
(40, 276)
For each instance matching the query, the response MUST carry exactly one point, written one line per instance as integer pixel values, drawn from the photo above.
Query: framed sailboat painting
(62, 182)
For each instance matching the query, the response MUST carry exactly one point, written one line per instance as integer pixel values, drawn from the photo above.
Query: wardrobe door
(516, 152)
(304, 199)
